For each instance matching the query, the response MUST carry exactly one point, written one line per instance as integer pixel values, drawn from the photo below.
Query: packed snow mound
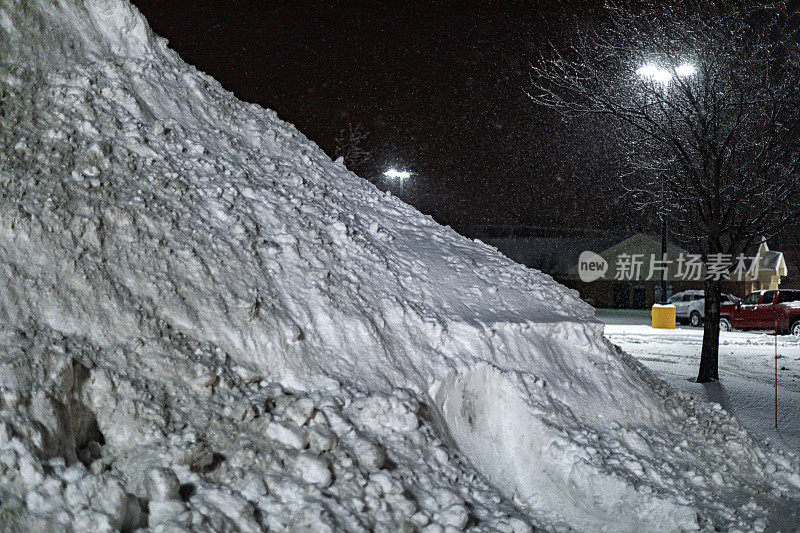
(206, 316)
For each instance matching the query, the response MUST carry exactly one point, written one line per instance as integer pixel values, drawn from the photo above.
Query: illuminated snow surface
(746, 366)
(207, 324)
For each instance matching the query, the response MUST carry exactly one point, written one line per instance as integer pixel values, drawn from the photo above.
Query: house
(633, 278)
(634, 266)
(773, 268)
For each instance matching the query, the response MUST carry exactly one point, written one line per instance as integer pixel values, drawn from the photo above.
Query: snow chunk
(287, 434)
(300, 411)
(313, 469)
(162, 484)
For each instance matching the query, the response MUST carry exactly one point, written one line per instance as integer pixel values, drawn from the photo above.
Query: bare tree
(351, 146)
(703, 98)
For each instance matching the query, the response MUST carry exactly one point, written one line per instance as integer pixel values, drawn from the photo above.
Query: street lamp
(654, 73)
(664, 76)
(402, 175)
(685, 70)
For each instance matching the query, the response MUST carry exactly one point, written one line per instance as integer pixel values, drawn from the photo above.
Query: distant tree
(352, 147)
(703, 99)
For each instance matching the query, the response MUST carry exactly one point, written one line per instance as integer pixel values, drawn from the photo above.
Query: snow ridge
(167, 250)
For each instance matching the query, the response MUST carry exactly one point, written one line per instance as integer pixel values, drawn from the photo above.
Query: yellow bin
(663, 316)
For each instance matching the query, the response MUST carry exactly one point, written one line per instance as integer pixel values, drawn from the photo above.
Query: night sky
(440, 91)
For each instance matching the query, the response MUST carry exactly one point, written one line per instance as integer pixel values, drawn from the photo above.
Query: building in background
(632, 280)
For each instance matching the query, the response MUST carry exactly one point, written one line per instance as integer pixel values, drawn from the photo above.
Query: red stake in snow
(776, 374)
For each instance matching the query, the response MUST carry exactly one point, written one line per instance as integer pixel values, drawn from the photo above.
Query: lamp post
(664, 76)
(402, 175)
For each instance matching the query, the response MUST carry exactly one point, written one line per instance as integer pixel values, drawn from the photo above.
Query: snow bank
(193, 291)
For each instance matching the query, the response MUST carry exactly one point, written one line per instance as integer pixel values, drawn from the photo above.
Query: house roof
(642, 243)
(641, 249)
(774, 261)
(554, 255)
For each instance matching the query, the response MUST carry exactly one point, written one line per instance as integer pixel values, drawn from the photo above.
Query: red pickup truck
(761, 310)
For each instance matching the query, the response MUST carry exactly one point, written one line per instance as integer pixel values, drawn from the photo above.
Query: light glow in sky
(397, 174)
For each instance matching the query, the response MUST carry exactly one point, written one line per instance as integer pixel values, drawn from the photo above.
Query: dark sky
(439, 90)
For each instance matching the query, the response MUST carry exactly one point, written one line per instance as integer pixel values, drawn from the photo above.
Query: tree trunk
(709, 358)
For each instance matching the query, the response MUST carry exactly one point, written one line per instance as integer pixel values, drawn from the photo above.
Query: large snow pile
(205, 323)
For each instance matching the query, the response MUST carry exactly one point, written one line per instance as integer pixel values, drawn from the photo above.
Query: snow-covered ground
(747, 370)
(207, 324)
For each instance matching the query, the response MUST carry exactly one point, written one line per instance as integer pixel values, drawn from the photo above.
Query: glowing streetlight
(685, 70)
(402, 175)
(664, 75)
(654, 73)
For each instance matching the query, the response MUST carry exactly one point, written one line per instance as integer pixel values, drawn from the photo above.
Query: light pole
(664, 76)
(402, 175)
